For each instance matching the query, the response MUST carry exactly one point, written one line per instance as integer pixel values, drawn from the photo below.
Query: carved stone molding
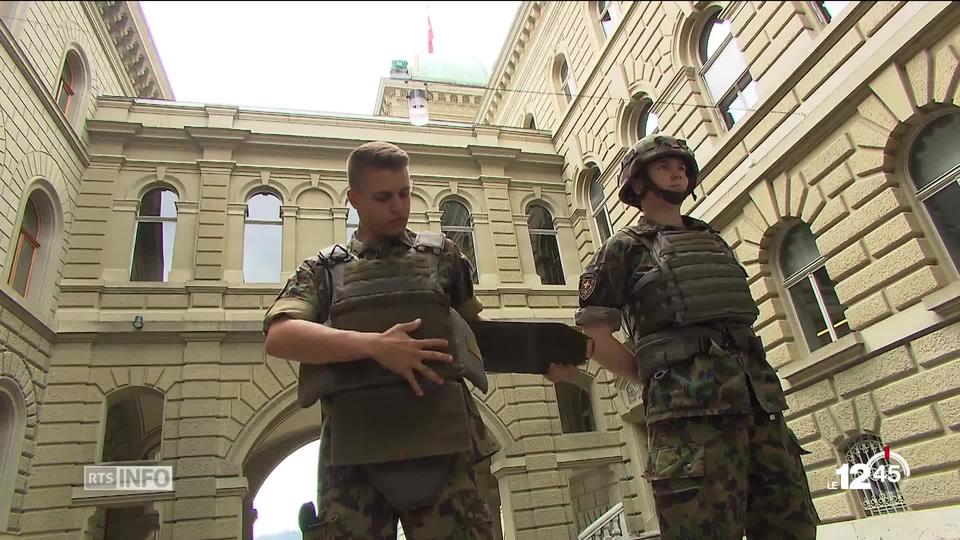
(139, 59)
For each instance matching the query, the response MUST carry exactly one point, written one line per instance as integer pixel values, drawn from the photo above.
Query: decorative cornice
(513, 48)
(131, 37)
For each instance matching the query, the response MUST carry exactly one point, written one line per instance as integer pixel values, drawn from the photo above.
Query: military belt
(678, 346)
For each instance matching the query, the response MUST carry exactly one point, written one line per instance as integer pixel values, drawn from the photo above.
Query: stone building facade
(133, 289)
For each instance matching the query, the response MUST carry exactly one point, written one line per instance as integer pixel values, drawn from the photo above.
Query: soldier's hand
(403, 355)
(561, 372)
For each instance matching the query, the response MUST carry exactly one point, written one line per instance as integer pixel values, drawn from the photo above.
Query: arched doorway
(281, 430)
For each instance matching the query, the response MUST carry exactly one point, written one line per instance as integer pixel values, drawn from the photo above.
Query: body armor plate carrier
(697, 283)
(372, 295)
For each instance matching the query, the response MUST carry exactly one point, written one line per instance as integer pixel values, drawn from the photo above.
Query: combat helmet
(646, 150)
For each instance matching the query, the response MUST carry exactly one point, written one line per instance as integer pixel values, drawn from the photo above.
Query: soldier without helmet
(378, 327)
(722, 461)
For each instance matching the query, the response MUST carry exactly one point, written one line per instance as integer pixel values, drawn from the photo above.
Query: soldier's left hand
(561, 372)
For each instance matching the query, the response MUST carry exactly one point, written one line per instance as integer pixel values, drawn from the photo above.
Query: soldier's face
(668, 173)
(382, 201)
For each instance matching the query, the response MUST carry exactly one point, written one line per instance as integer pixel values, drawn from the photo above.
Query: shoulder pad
(640, 229)
(334, 255)
(428, 240)
(700, 223)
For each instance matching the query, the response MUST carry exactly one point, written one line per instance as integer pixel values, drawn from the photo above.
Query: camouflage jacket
(306, 296)
(718, 381)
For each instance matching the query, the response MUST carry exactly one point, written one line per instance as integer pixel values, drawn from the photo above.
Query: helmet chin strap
(672, 197)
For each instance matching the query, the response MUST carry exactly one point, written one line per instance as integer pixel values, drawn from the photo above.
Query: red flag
(429, 36)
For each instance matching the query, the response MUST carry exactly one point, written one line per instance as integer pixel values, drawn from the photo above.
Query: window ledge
(81, 497)
(825, 361)
(944, 302)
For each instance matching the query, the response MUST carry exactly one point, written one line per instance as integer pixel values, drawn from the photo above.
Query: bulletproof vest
(696, 280)
(374, 294)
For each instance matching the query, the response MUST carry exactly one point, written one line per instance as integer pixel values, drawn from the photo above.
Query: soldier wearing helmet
(722, 461)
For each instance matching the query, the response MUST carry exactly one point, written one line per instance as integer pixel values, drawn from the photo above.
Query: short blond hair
(374, 155)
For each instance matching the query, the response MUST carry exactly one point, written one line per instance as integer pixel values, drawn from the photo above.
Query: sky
(314, 56)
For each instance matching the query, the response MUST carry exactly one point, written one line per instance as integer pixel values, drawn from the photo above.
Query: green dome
(438, 68)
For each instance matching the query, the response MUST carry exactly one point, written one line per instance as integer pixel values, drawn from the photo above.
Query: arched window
(934, 167)
(546, 251)
(262, 239)
(884, 496)
(353, 221)
(576, 413)
(28, 244)
(725, 71)
(12, 427)
(156, 229)
(829, 10)
(600, 215)
(820, 313)
(70, 84)
(567, 84)
(609, 15)
(32, 246)
(648, 122)
(529, 121)
(457, 223)
(134, 428)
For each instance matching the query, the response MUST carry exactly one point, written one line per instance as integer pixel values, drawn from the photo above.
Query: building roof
(440, 68)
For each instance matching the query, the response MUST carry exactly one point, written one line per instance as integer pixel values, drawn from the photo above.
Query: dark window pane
(603, 225)
(539, 217)
(944, 209)
(464, 240)
(31, 220)
(24, 264)
(596, 190)
(262, 247)
(159, 203)
(455, 215)
(546, 256)
(799, 250)
(808, 311)
(935, 150)
(835, 309)
(576, 414)
(831, 9)
(153, 251)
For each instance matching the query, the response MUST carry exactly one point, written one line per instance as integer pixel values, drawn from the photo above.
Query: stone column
(184, 242)
(495, 189)
(120, 234)
(486, 251)
(433, 220)
(92, 220)
(339, 225)
(288, 254)
(212, 220)
(525, 248)
(233, 254)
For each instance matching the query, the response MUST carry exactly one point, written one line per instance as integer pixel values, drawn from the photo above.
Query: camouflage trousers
(351, 508)
(718, 477)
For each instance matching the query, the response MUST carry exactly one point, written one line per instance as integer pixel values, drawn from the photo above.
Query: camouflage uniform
(350, 506)
(722, 461)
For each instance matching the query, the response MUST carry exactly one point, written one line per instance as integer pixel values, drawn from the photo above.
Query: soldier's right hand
(401, 354)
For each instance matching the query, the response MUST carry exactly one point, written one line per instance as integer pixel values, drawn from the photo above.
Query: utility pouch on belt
(409, 427)
(678, 346)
